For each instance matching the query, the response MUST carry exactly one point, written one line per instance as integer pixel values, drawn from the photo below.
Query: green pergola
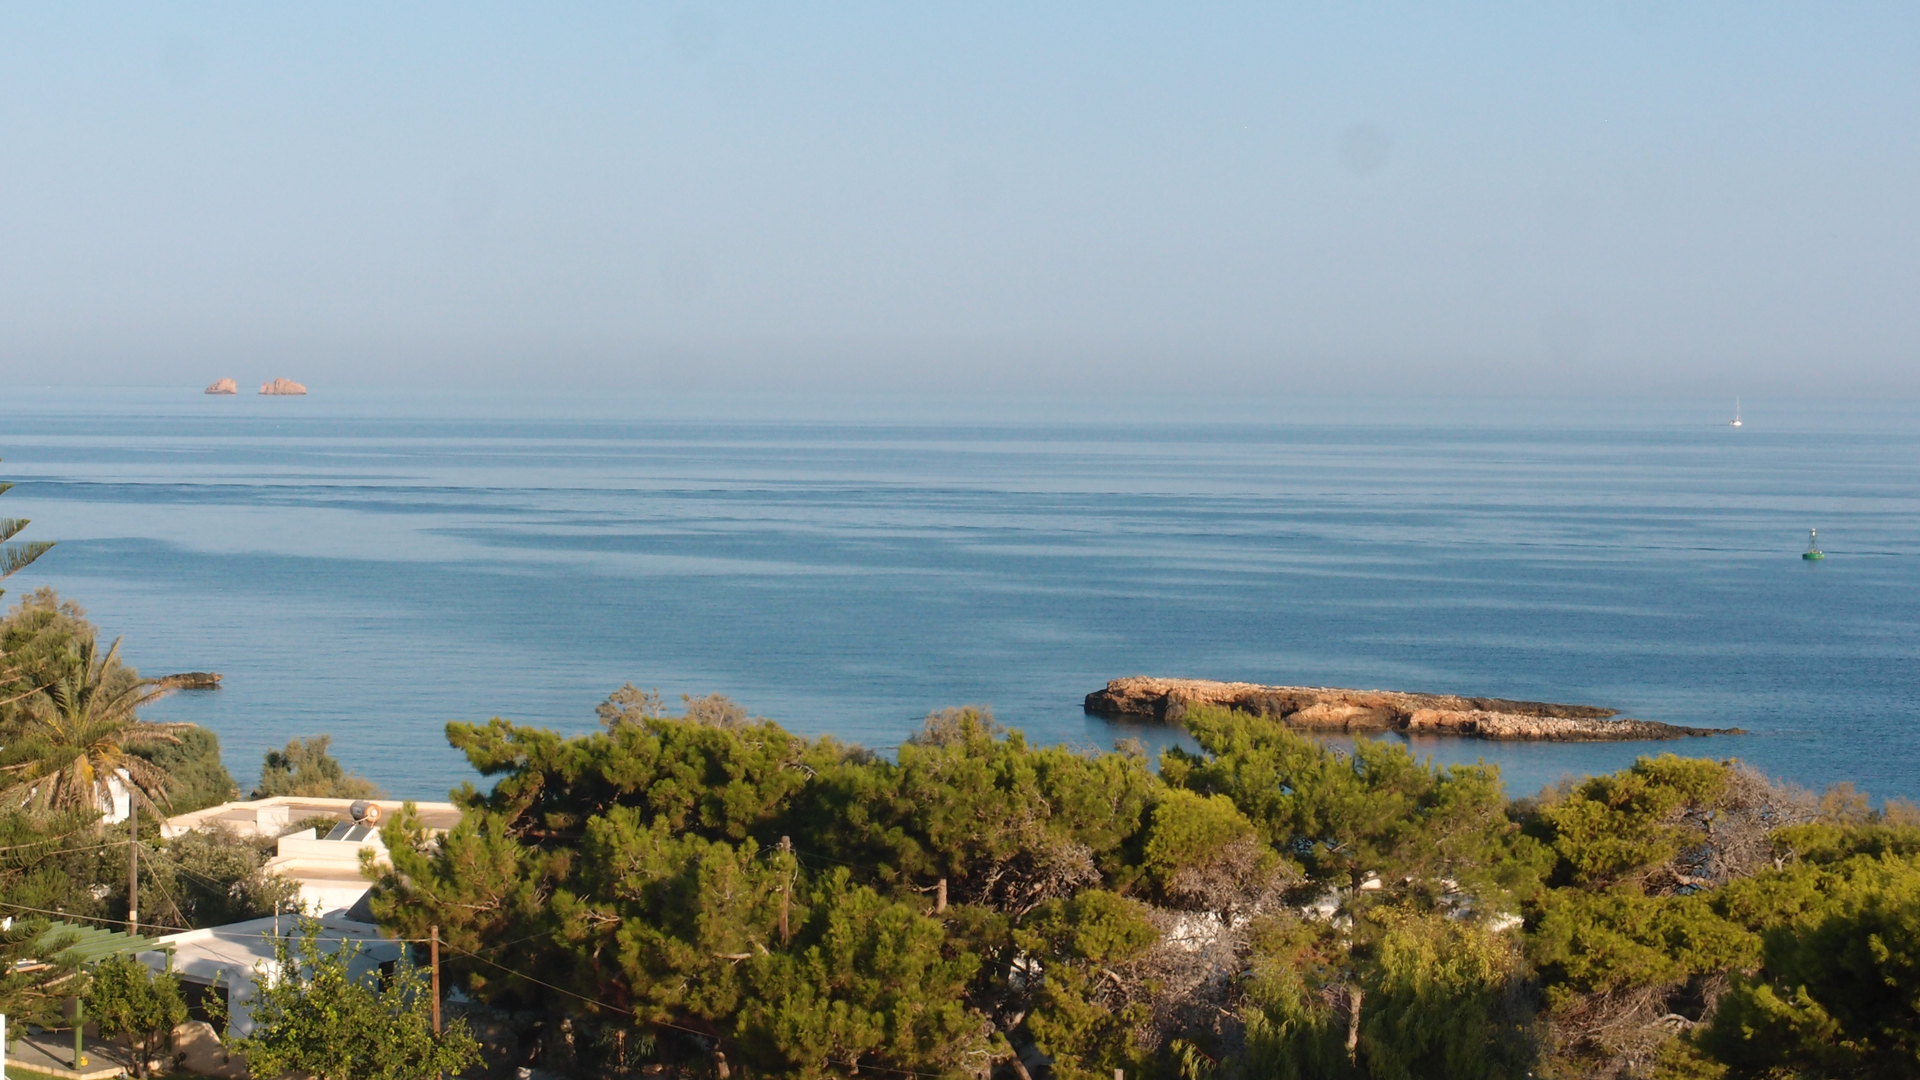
(83, 946)
(91, 944)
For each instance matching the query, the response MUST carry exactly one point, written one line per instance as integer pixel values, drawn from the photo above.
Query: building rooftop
(324, 862)
(236, 956)
(274, 816)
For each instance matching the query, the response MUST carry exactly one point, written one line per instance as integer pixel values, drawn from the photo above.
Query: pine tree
(15, 556)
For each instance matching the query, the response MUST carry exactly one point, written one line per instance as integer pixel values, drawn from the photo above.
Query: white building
(272, 817)
(327, 867)
(325, 864)
(234, 957)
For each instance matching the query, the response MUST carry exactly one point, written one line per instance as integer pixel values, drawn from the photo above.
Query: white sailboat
(1735, 422)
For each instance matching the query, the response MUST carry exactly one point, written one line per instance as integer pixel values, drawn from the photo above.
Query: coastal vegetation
(70, 719)
(702, 892)
(305, 767)
(737, 897)
(70, 731)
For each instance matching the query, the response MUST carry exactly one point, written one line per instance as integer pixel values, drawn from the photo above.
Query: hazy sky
(1641, 198)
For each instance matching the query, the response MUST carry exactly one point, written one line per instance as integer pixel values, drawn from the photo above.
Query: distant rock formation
(1318, 708)
(186, 680)
(224, 386)
(282, 386)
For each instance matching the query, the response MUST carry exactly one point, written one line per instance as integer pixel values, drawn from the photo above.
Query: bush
(197, 777)
(128, 999)
(305, 768)
(315, 1014)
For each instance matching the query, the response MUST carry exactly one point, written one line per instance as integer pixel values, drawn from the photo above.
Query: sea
(372, 565)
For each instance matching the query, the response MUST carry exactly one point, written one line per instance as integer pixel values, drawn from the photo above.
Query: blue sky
(1642, 198)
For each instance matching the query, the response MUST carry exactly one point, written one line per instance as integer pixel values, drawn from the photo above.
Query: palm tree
(78, 733)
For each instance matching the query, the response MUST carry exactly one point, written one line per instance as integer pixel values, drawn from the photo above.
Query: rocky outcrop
(223, 386)
(190, 680)
(282, 386)
(1319, 708)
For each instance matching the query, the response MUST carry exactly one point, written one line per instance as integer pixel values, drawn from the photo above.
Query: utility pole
(433, 956)
(133, 861)
(786, 890)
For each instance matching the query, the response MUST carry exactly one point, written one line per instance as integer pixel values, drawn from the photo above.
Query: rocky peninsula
(1319, 708)
(282, 386)
(223, 386)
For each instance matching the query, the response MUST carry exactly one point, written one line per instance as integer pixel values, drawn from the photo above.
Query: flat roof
(436, 816)
(239, 949)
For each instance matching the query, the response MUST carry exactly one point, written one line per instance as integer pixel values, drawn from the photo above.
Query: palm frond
(10, 527)
(15, 557)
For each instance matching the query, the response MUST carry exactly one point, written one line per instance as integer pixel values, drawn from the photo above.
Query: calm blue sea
(375, 566)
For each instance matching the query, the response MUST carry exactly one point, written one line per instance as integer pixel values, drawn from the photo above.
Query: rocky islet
(1318, 708)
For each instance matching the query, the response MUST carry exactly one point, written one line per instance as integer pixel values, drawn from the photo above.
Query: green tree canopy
(1376, 811)
(129, 1000)
(35, 978)
(305, 767)
(197, 777)
(1837, 990)
(1266, 906)
(317, 1012)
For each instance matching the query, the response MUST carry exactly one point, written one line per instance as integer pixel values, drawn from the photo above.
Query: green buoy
(1813, 546)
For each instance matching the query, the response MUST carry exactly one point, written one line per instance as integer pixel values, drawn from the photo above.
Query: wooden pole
(433, 956)
(133, 863)
(786, 891)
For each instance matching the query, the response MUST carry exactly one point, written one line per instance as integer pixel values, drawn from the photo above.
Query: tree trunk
(1353, 1025)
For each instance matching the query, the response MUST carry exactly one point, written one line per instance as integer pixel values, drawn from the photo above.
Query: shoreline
(1332, 709)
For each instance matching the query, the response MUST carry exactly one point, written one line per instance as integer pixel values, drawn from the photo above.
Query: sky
(1611, 198)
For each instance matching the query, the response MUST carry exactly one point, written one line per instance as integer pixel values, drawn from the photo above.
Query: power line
(210, 929)
(177, 913)
(511, 971)
(84, 918)
(65, 851)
